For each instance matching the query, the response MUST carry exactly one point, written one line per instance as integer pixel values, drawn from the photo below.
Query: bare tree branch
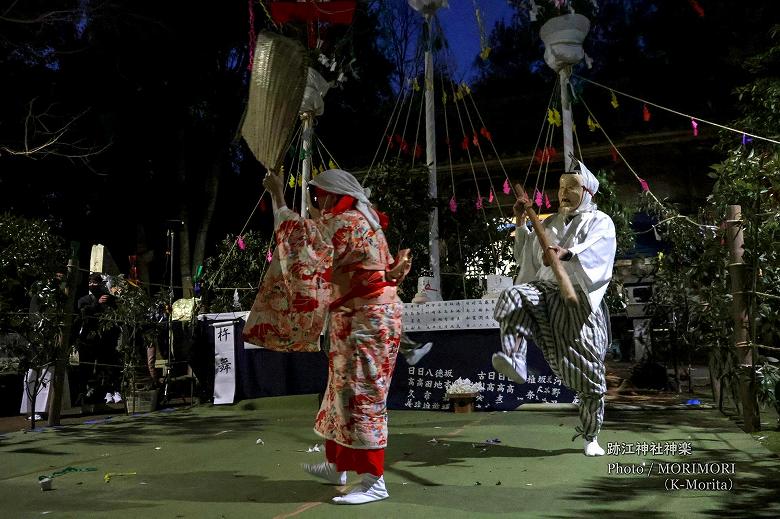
(40, 140)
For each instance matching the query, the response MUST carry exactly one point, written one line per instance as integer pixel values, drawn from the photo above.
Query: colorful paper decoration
(478, 204)
(695, 127)
(491, 197)
(613, 100)
(554, 117)
(746, 139)
(269, 256)
(538, 198)
(614, 154)
(645, 113)
(643, 183)
(331, 165)
(545, 154)
(291, 181)
(592, 125)
(417, 151)
(486, 134)
(506, 188)
(475, 141)
(465, 143)
(697, 8)
(453, 205)
(240, 242)
(547, 203)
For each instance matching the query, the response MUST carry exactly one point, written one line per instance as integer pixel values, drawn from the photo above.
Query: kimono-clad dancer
(574, 340)
(364, 328)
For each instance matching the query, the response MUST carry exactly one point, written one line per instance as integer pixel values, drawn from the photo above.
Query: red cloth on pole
(337, 11)
(358, 460)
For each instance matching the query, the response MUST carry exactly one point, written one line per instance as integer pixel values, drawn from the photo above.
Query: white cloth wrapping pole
(568, 140)
(430, 157)
(224, 362)
(308, 135)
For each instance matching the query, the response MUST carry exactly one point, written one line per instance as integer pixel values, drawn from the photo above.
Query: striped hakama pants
(573, 340)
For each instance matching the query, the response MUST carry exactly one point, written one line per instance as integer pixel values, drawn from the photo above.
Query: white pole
(430, 157)
(568, 140)
(308, 135)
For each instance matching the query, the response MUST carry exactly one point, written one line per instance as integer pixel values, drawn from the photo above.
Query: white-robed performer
(573, 338)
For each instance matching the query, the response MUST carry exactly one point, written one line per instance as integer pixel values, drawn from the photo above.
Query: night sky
(462, 32)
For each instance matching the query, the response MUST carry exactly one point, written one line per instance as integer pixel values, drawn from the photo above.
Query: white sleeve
(594, 257)
(526, 255)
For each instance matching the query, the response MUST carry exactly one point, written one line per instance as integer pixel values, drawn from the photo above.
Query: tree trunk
(184, 253)
(737, 268)
(63, 348)
(212, 189)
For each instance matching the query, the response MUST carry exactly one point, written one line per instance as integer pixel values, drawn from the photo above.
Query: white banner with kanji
(224, 362)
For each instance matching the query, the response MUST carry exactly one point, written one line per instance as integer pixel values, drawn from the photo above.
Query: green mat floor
(210, 462)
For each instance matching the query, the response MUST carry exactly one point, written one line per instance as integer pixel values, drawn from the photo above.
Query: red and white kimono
(337, 263)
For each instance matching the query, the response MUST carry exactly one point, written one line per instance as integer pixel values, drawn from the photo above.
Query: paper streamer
(491, 197)
(507, 189)
(646, 113)
(695, 127)
(538, 199)
(554, 117)
(269, 256)
(453, 204)
(547, 203)
(478, 204)
(613, 101)
(697, 8)
(644, 185)
(486, 134)
(240, 242)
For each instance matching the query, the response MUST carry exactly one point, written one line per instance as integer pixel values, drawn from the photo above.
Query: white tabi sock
(371, 489)
(326, 471)
(414, 356)
(515, 371)
(592, 448)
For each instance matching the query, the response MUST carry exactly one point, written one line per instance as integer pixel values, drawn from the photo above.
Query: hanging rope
(541, 131)
(683, 114)
(611, 143)
(401, 94)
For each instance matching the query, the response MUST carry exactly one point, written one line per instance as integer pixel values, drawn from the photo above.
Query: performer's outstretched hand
(274, 183)
(401, 267)
(520, 204)
(560, 252)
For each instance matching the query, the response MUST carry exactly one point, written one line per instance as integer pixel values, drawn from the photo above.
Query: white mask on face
(570, 193)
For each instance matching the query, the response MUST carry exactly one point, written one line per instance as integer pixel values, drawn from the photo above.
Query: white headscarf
(340, 182)
(591, 187)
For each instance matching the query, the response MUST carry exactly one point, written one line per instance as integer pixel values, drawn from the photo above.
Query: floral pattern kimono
(293, 302)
